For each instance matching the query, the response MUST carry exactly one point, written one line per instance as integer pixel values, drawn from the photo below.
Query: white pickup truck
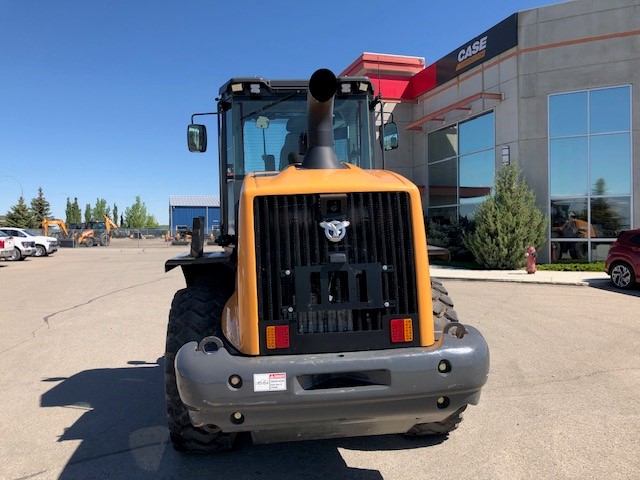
(6, 245)
(44, 245)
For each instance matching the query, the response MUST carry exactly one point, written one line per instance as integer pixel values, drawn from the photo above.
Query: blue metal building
(184, 208)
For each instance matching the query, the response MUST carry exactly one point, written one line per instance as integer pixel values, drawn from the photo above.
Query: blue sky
(95, 95)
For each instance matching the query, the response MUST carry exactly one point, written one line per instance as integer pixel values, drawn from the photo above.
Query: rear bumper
(379, 392)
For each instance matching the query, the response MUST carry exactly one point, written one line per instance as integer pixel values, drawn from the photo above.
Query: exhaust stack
(320, 150)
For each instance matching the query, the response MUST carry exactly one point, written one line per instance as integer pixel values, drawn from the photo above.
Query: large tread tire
(443, 313)
(195, 313)
(447, 425)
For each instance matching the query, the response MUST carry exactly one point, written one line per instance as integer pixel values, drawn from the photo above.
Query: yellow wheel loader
(320, 318)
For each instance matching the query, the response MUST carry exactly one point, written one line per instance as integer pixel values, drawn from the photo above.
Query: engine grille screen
(320, 286)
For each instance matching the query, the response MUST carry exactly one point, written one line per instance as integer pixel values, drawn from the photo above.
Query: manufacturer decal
(335, 230)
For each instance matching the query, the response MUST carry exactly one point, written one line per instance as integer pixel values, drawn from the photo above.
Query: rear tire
(105, 240)
(443, 313)
(196, 312)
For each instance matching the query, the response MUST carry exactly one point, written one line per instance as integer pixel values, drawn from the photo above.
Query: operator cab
(262, 128)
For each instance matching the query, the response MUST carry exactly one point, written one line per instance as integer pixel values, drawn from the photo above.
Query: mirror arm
(201, 114)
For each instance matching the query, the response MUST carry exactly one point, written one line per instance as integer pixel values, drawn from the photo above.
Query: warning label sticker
(269, 382)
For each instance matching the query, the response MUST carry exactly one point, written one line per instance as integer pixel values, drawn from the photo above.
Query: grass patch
(573, 267)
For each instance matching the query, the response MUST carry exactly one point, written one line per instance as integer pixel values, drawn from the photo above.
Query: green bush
(507, 222)
(449, 236)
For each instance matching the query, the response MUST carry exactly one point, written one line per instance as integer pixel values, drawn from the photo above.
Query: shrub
(506, 223)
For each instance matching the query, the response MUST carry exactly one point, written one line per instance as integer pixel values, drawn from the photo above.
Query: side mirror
(389, 136)
(197, 138)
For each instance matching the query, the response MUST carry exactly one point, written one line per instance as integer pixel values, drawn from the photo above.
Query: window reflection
(466, 179)
(477, 134)
(610, 216)
(568, 114)
(443, 215)
(468, 210)
(569, 218)
(568, 166)
(599, 251)
(443, 179)
(477, 172)
(443, 144)
(596, 149)
(569, 251)
(609, 110)
(610, 159)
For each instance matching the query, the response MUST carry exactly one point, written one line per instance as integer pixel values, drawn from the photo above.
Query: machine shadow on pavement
(123, 434)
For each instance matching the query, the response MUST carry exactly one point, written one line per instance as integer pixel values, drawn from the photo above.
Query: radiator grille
(288, 236)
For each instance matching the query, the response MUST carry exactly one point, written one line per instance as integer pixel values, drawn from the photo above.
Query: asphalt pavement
(81, 384)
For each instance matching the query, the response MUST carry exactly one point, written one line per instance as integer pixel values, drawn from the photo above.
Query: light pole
(21, 189)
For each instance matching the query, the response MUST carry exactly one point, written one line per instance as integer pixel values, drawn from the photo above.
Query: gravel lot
(81, 394)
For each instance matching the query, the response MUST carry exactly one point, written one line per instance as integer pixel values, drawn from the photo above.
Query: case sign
(485, 46)
(269, 382)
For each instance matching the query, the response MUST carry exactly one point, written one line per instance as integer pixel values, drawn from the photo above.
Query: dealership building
(554, 90)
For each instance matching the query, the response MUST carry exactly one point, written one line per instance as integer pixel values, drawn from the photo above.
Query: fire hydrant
(531, 255)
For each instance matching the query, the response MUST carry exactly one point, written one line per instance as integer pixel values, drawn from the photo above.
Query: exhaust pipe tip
(323, 85)
(321, 153)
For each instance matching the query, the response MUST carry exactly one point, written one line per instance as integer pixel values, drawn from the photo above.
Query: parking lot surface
(81, 384)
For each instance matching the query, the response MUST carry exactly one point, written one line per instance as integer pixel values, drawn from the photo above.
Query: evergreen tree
(115, 214)
(20, 215)
(87, 213)
(77, 213)
(68, 212)
(136, 214)
(40, 208)
(506, 223)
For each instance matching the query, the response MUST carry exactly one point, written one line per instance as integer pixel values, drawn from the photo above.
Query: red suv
(623, 261)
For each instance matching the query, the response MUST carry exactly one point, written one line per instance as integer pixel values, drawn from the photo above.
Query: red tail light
(401, 330)
(277, 337)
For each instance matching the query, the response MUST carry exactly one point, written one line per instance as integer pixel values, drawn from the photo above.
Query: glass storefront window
(568, 166)
(477, 134)
(568, 114)
(589, 162)
(443, 215)
(443, 144)
(607, 110)
(461, 166)
(443, 179)
(599, 251)
(610, 159)
(468, 210)
(477, 172)
(569, 251)
(569, 218)
(610, 216)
